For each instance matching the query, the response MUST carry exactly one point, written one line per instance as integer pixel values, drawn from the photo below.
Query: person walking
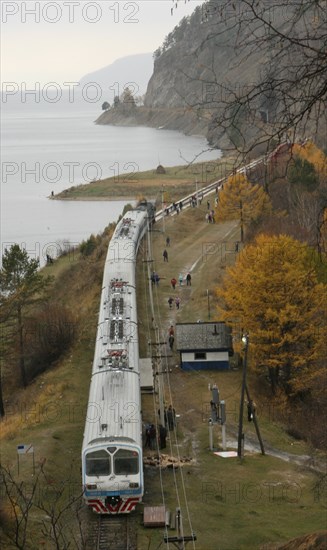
(173, 283)
(165, 255)
(188, 279)
(171, 341)
(170, 302)
(153, 437)
(180, 278)
(147, 436)
(177, 302)
(167, 241)
(171, 331)
(162, 436)
(171, 416)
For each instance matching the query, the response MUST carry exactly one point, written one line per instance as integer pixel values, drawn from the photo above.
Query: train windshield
(98, 463)
(126, 462)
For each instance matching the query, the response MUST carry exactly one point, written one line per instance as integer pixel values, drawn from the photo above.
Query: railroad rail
(112, 533)
(211, 187)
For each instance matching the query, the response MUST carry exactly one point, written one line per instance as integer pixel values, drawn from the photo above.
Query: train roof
(114, 408)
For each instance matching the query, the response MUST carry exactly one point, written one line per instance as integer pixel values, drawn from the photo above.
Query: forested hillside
(247, 74)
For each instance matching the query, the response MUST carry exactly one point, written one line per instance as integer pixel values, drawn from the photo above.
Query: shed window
(126, 462)
(200, 355)
(98, 463)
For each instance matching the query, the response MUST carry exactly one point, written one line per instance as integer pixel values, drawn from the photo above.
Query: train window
(126, 462)
(98, 463)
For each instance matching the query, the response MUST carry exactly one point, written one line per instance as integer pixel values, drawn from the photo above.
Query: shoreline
(92, 199)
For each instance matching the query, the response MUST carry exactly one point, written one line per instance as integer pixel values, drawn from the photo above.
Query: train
(112, 457)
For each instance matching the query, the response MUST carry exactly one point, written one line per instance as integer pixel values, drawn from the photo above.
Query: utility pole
(241, 217)
(255, 422)
(208, 298)
(240, 444)
(240, 441)
(162, 209)
(156, 356)
(157, 369)
(181, 540)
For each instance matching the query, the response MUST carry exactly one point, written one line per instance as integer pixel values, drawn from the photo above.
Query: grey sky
(59, 41)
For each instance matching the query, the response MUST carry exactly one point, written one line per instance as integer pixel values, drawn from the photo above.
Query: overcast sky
(59, 41)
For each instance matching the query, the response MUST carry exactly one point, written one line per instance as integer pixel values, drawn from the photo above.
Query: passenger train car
(112, 472)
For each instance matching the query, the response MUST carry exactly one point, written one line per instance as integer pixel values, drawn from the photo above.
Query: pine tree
(21, 285)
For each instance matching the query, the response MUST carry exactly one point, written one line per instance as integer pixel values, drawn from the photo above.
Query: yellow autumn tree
(242, 200)
(310, 152)
(323, 233)
(273, 294)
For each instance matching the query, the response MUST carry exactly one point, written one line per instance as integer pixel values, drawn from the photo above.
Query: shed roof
(203, 336)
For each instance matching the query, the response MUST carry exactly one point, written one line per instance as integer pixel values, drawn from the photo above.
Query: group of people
(155, 278)
(151, 440)
(174, 208)
(171, 300)
(188, 278)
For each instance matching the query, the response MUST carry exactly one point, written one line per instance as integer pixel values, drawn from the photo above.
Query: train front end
(112, 476)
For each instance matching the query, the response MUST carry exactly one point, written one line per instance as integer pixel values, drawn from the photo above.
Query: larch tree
(21, 285)
(239, 199)
(273, 294)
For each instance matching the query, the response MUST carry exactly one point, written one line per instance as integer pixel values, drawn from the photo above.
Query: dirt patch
(314, 541)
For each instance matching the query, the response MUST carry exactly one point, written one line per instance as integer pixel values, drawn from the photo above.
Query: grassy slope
(232, 506)
(177, 182)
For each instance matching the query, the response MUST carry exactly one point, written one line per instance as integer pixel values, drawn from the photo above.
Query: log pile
(165, 461)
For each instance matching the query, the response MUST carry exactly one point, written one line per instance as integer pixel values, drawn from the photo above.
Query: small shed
(160, 169)
(204, 345)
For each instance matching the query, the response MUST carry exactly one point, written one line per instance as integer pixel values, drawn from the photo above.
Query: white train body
(112, 471)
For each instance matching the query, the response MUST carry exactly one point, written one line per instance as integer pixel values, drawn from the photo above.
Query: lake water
(47, 148)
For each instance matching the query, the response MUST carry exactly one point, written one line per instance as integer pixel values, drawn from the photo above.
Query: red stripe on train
(123, 507)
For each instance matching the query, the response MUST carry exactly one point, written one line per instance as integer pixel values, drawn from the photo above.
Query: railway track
(112, 533)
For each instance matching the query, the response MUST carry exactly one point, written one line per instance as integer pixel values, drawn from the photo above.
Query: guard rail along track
(207, 190)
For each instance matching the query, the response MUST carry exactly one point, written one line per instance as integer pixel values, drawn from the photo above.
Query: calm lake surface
(47, 148)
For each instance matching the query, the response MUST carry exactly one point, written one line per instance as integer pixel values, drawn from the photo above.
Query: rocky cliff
(210, 58)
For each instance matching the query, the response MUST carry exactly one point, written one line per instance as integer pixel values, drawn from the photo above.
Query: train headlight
(134, 485)
(91, 486)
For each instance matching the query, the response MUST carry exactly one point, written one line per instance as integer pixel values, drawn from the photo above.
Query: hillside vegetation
(50, 412)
